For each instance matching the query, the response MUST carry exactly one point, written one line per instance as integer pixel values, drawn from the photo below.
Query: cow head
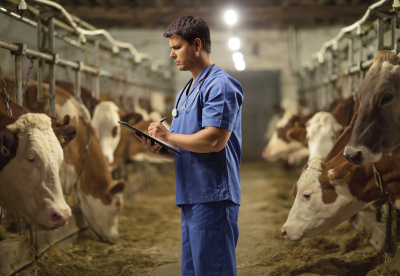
(105, 122)
(278, 146)
(322, 132)
(102, 213)
(29, 182)
(376, 130)
(323, 201)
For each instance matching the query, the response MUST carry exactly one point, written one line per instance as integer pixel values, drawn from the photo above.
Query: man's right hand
(154, 149)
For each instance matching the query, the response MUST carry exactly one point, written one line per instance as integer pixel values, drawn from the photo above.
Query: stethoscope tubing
(183, 91)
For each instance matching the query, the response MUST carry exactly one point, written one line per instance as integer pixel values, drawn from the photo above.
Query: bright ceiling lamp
(237, 56)
(240, 65)
(234, 43)
(230, 17)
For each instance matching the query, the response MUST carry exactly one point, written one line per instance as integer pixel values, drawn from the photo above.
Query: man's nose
(172, 54)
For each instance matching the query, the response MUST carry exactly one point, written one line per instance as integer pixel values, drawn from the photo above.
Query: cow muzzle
(361, 156)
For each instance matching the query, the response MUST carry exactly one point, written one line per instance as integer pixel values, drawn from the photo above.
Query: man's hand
(146, 143)
(159, 131)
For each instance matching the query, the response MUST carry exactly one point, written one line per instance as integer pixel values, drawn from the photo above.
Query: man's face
(182, 52)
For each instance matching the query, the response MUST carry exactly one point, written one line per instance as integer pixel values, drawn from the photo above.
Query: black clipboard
(153, 140)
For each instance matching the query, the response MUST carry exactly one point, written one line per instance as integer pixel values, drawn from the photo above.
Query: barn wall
(262, 50)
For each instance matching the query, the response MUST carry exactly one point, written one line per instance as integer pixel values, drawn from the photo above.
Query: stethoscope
(175, 110)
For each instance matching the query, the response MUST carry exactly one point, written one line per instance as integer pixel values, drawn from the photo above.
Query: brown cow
(376, 130)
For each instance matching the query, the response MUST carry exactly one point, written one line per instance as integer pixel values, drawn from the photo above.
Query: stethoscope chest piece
(174, 112)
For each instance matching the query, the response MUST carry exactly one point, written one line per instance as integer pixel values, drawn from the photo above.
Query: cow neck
(16, 109)
(342, 141)
(361, 180)
(344, 110)
(96, 178)
(87, 99)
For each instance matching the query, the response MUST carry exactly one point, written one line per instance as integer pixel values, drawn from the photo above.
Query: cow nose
(353, 156)
(60, 218)
(283, 233)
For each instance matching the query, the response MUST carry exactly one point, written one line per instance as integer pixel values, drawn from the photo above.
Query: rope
(378, 180)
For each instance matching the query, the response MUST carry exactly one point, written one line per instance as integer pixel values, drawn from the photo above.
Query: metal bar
(388, 226)
(380, 33)
(18, 79)
(9, 46)
(52, 68)
(97, 65)
(393, 31)
(78, 84)
(75, 65)
(39, 66)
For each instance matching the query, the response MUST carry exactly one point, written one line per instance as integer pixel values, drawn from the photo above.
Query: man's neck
(204, 62)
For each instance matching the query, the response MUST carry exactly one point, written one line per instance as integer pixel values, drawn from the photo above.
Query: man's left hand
(159, 131)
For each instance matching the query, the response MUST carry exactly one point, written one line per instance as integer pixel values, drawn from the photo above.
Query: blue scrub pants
(210, 233)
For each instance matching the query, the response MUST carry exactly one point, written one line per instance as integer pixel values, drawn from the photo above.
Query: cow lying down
(30, 159)
(330, 192)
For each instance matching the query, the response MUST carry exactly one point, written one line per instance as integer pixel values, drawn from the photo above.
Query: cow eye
(387, 98)
(307, 196)
(114, 131)
(31, 159)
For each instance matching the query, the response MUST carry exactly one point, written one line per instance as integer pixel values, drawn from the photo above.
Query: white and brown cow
(30, 159)
(329, 192)
(99, 196)
(322, 132)
(105, 122)
(280, 148)
(377, 128)
(105, 117)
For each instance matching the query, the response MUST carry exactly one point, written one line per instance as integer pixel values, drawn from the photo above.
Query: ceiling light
(240, 65)
(237, 56)
(234, 43)
(230, 17)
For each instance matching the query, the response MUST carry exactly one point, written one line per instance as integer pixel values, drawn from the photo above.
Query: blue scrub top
(214, 176)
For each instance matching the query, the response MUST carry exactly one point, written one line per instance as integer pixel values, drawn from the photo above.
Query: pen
(163, 119)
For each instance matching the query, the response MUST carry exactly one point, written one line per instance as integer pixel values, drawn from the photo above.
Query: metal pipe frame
(52, 68)
(75, 65)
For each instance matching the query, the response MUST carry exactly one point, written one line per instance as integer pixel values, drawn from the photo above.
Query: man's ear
(197, 44)
(65, 134)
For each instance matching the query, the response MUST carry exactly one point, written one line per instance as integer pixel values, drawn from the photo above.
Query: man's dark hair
(189, 28)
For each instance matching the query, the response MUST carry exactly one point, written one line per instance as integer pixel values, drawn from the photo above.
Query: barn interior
(296, 60)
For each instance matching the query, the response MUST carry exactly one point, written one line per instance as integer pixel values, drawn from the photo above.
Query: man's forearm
(167, 155)
(204, 141)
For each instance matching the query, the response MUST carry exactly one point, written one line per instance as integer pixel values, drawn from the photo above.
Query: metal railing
(335, 70)
(135, 71)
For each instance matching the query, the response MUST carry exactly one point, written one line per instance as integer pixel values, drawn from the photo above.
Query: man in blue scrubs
(207, 129)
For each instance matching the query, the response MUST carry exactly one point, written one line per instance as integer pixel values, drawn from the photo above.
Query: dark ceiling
(251, 13)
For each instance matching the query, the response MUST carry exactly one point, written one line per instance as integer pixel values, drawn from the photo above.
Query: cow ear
(7, 141)
(12, 127)
(297, 134)
(340, 173)
(294, 189)
(118, 187)
(65, 134)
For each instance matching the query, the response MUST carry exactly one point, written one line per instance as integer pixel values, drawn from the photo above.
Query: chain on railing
(31, 63)
(7, 99)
